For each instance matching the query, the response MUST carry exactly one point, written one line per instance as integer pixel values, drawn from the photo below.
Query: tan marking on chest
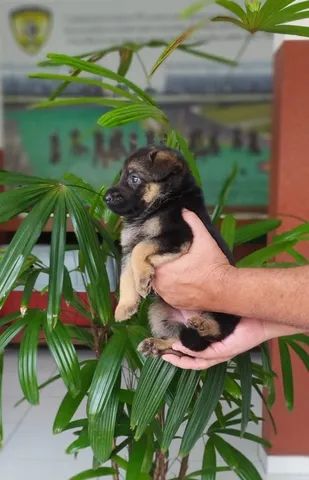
(151, 228)
(152, 192)
(129, 234)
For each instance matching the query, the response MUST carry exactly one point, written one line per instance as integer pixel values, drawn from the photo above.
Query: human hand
(248, 334)
(194, 281)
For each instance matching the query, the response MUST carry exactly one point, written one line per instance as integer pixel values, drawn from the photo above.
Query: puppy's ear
(169, 160)
(152, 155)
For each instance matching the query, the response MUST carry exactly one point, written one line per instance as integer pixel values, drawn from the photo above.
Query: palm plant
(137, 409)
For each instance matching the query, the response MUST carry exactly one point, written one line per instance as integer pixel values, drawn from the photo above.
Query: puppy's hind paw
(149, 348)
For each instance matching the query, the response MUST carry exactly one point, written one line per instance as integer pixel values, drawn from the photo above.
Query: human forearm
(277, 295)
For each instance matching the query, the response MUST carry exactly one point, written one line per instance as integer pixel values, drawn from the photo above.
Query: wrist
(224, 277)
(275, 330)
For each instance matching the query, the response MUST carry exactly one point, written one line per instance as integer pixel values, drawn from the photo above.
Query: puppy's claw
(124, 312)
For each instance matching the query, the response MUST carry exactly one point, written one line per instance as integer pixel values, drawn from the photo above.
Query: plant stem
(183, 467)
(160, 467)
(116, 475)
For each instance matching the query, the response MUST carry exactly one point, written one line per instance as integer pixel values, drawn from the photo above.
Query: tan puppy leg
(144, 258)
(143, 270)
(129, 298)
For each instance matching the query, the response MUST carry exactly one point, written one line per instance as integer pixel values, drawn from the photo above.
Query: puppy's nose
(113, 196)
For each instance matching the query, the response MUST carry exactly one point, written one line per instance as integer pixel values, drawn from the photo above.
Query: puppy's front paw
(125, 311)
(143, 286)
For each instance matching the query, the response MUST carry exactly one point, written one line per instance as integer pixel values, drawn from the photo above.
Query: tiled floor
(32, 452)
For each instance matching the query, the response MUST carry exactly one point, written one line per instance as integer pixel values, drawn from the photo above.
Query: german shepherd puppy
(154, 187)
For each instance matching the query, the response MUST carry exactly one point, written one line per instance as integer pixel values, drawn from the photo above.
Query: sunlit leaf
(120, 92)
(59, 59)
(131, 113)
(179, 40)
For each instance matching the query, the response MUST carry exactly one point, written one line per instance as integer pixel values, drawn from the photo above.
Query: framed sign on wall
(224, 111)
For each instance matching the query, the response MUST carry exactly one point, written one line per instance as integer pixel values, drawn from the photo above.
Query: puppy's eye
(134, 180)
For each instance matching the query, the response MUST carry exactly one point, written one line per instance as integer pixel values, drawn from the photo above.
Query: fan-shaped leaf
(56, 262)
(204, 407)
(131, 113)
(23, 241)
(249, 232)
(1, 419)
(94, 473)
(236, 460)
(28, 290)
(209, 461)
(70, 404)
(302, 354)
(228, 227)
(258, 258)
(101, 427)
(16, 178)
(155, 379)
(20, 200)
(244, 369)
(179, 40)
(287, 373)
(186, 388)
(98, 286)
(11, 332)
(120, 92)
(59, 59)
(27, 358)
(64, 354)
(106, 373)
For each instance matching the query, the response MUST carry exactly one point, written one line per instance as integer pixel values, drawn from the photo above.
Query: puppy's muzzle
(113, 197)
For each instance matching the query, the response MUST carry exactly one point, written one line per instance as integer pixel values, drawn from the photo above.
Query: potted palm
(137, 409)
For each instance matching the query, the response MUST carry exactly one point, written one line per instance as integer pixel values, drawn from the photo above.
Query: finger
(208, 354)
(189, 363)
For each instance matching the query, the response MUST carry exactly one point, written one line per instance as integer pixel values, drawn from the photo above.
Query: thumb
(197, 226)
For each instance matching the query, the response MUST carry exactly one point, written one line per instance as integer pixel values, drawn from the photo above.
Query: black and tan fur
(154, 188)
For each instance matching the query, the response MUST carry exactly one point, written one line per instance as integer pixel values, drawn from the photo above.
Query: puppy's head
(150, 176)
